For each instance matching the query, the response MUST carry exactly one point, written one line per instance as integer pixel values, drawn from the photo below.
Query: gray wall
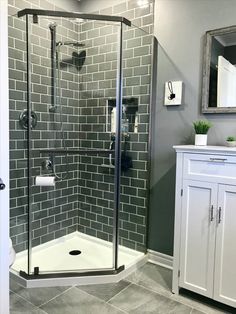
(68, 5)
(88, 6)
(179, 27)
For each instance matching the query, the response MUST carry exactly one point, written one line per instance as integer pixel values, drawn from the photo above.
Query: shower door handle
(2, 185)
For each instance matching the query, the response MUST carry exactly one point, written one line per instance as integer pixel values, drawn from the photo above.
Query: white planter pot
(231, 143)
(200, 139)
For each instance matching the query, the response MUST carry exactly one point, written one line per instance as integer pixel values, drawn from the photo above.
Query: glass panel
(71, 219)
(137, 48)
(18, 145)
(96, 184)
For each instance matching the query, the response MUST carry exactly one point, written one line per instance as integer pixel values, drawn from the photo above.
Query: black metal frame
(103, 272)
(152, 111)
(79, 151)
(115, 269)
(108, 18)
(117, 179)
(29, 145)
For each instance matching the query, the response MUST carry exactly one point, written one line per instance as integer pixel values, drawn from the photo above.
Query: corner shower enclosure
(86, 145)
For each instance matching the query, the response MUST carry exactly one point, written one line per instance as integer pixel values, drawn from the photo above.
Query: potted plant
(230, 141)
(201, 128)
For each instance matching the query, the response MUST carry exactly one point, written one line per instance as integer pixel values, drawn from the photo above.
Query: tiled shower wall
(84, 200)
(54, 210)
(97, 84)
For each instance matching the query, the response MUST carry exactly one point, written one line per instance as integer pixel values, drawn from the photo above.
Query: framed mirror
(219, 71)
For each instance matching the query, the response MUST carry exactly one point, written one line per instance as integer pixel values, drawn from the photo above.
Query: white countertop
(206, 149)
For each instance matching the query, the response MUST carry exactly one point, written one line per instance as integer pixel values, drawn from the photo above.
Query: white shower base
(95, 254)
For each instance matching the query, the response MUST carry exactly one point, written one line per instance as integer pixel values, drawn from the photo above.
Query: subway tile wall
(84, 200)
(97, 84)
(54, 210)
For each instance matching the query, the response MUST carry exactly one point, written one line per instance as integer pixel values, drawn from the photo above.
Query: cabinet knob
(211, 213)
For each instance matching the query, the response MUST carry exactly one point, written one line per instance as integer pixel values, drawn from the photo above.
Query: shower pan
(86, 212)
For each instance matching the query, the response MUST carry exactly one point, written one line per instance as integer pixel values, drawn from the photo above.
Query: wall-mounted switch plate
(177, 90)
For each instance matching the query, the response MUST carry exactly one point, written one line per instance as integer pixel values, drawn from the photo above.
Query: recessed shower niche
(129, 115)
(101, 214)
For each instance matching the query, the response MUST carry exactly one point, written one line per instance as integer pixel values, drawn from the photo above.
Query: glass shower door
(73, 149)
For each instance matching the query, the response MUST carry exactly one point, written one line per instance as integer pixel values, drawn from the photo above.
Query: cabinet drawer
(199, 166)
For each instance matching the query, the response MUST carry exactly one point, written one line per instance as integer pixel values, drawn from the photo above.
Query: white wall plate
(177, 87)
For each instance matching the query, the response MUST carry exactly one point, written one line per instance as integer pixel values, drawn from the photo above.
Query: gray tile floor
(147, 290)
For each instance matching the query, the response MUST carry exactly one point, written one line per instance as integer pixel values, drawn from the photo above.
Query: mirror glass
(219, 74)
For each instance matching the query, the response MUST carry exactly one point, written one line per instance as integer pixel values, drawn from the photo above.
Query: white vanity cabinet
(205, 222)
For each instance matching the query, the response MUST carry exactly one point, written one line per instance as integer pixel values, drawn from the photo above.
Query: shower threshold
(54, 258)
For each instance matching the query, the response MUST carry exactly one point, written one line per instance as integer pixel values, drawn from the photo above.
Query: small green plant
(201, 126)
(230, 139)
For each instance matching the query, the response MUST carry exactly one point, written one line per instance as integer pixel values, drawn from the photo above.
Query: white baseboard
(160, 259)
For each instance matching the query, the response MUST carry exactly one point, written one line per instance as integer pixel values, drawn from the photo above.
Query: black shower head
(77, 60)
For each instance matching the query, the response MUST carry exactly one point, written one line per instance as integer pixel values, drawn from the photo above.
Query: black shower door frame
(34, 13)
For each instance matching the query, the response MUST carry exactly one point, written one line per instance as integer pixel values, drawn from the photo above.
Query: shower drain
(75, 252)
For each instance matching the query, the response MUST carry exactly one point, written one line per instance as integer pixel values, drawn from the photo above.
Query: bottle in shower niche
(113, 120)
(136, 123)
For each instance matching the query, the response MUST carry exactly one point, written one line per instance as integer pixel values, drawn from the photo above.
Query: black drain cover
(75, 252)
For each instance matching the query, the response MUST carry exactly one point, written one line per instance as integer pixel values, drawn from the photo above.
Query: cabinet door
(225, 261)
(198, 236)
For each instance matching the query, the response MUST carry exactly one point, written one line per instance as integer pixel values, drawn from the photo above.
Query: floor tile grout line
(24, 299)
(44, 312)
(129, 283)
(103, 301)
(96, 297)
(205, 311)
(37, 306)
(133, 309)
(118, 293)
(171, 298)
(197, 307)
(56, 296)
(162, 292)
(117, 308)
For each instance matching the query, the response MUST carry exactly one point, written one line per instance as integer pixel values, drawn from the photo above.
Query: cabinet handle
(211, 213)
(219, 215)
(218, 159)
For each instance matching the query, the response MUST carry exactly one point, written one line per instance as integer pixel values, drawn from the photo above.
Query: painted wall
(179, 27)
(88, 6)
(71, 5)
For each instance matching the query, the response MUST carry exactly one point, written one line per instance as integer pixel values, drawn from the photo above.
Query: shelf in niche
(108, 166)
